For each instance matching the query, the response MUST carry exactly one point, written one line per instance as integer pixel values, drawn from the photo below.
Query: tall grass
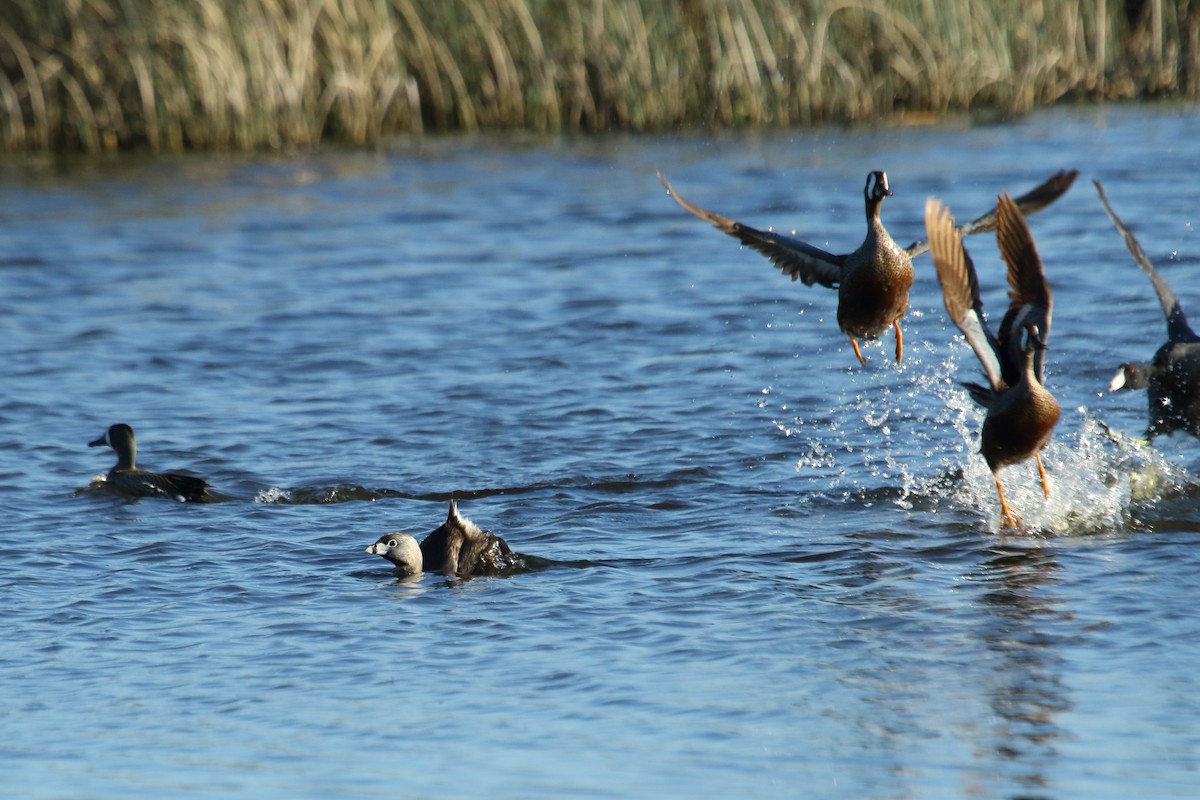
(175, 74)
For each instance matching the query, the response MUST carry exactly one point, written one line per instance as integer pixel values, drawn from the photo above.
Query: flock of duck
(873, 284)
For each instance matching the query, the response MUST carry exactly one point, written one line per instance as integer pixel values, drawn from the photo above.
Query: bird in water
(458, 547)
(130, 480)
(1021, 413)
(873, 282)
(1172, 379)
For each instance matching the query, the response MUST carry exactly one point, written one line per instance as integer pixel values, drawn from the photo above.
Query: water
(784, 574)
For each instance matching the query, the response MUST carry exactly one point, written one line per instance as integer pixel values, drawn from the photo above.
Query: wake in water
(351, 492)
(316, 495)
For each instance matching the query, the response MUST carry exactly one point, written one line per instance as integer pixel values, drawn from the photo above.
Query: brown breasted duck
(1172, 379)
(873, 281)
(130, 480)
(1021, 413)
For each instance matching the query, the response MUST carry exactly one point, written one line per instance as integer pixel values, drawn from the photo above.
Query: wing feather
(1178, 329)
(795, 258)
(1026, 276)
(1031, 202)
(960, 287)
(1030, 299)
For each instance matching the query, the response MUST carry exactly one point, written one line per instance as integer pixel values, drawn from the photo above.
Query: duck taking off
(1172, 378)
(1021, 413)
(874, 280)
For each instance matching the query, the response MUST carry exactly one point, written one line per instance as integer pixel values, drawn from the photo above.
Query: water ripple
(766, 567)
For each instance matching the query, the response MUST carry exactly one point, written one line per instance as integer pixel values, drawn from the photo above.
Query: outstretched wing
(1178, 329)
(1029, 298)
(1029, 203)
(798, 259)
(960, 287)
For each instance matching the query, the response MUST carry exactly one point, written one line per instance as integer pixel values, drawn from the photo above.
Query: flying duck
(1021, 413)
(1173, 377)
(873, 281)
(128, 479)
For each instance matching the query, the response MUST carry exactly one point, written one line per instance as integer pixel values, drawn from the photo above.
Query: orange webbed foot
(1008, 517)
(857, 352)
(1042, 473)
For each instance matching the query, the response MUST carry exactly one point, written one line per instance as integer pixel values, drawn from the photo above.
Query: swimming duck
(1021, 413)
(1173, 377)
(873, 281)
(132, 481)
(458, 547)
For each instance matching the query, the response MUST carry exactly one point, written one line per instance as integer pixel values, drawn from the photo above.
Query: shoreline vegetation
(173, 75)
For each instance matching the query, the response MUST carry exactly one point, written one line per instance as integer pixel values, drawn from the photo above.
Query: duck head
(876, 188)
(401, 550)
(121, 439)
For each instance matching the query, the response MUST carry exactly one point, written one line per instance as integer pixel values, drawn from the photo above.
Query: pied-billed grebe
(458, 547)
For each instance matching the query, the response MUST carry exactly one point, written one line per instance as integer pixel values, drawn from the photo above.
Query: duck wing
(960, 289)
(174, 485)
(797, 259)
(1030, 301)
(1031, 202)
(1178, 329)
(188, 487)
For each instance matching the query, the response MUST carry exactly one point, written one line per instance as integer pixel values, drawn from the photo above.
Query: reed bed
(168, 75)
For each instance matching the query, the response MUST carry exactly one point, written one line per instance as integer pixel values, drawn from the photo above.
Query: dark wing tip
(1031, 202)
(722, 222)
(794, 258)
(1178, 328)
(1047, 192)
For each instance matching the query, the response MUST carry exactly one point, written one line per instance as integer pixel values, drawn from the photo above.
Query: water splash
(1096, 478)
(915, 441)
(273, 495)
(316, 495)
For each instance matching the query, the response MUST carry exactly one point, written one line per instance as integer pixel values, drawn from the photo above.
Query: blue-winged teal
(873, 281)
(1173, 377)
(129, 480)
(458, 547)
(1021, 414)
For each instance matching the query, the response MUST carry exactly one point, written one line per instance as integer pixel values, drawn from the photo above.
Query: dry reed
(175, 74)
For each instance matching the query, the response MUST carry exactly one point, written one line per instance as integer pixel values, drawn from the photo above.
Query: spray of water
(911, 437)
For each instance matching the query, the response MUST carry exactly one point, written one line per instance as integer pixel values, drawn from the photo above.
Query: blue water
(782, 572)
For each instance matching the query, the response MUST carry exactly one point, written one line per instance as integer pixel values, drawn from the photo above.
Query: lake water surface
(782, 573)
